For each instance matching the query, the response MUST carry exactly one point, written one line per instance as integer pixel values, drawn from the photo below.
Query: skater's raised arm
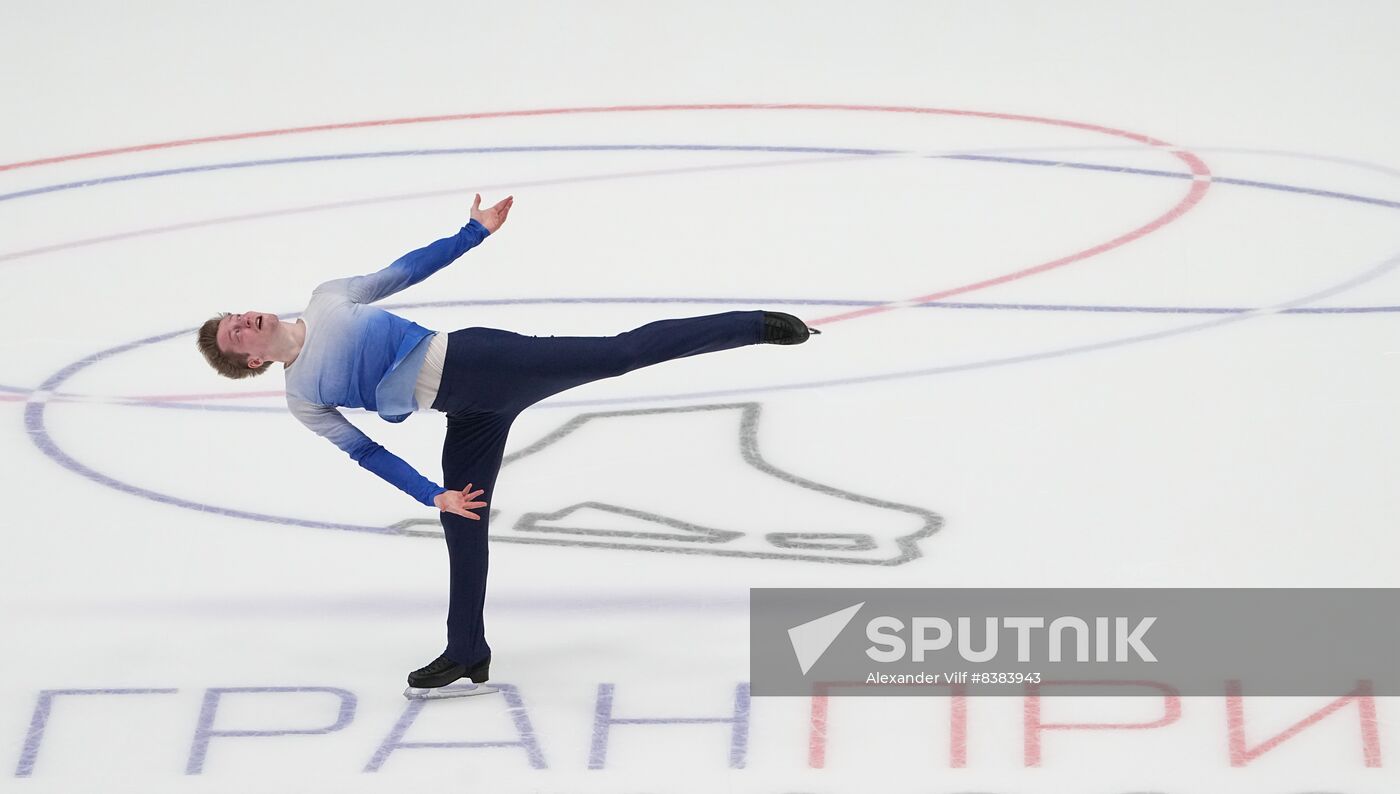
(415, 266)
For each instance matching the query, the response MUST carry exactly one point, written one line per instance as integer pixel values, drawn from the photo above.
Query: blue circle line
(696, 148)
(1219, 180)
(963, 306)
(1116, 169)
(1379, 202)
(194, 169)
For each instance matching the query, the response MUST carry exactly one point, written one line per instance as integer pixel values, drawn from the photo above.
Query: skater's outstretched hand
(460, 502)
(493, 217)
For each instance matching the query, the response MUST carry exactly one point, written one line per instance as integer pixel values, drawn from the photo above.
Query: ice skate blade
(450, 691)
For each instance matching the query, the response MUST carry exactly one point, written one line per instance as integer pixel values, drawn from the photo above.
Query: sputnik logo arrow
(811, 639)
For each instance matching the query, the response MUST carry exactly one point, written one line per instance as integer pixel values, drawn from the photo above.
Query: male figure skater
(344, 352)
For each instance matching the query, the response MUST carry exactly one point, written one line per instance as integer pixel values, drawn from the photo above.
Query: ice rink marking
(35, 411)
(868, 306)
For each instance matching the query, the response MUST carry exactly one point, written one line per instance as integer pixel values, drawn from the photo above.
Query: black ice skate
(432, 682)
(784, 329)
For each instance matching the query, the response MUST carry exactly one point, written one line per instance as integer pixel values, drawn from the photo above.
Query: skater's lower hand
(460, 502)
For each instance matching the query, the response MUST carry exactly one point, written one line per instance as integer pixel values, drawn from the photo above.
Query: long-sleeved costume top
(356, 355)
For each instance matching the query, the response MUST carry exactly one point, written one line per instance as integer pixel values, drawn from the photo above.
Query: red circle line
(1200, 182)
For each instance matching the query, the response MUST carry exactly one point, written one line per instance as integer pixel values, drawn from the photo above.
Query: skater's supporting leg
(471, 453)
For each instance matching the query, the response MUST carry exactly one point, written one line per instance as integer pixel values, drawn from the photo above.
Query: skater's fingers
(470, 514)
(476, 205)
(474, 505)
(475, 494)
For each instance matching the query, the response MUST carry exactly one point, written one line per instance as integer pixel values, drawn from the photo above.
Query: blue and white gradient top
(356, 355)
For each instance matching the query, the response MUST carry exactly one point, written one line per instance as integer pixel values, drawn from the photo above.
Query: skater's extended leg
(512, 371)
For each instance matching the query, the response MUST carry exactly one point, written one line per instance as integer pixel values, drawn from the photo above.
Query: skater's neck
(289, 344)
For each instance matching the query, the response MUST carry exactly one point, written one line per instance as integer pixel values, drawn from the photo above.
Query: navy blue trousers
(489, 377)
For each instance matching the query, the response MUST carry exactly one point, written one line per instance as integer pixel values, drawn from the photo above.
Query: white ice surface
(1254, 451)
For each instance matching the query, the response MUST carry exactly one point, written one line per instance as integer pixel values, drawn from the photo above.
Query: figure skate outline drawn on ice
(643, 530)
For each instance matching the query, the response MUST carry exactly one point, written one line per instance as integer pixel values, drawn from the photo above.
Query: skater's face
(250, 333)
